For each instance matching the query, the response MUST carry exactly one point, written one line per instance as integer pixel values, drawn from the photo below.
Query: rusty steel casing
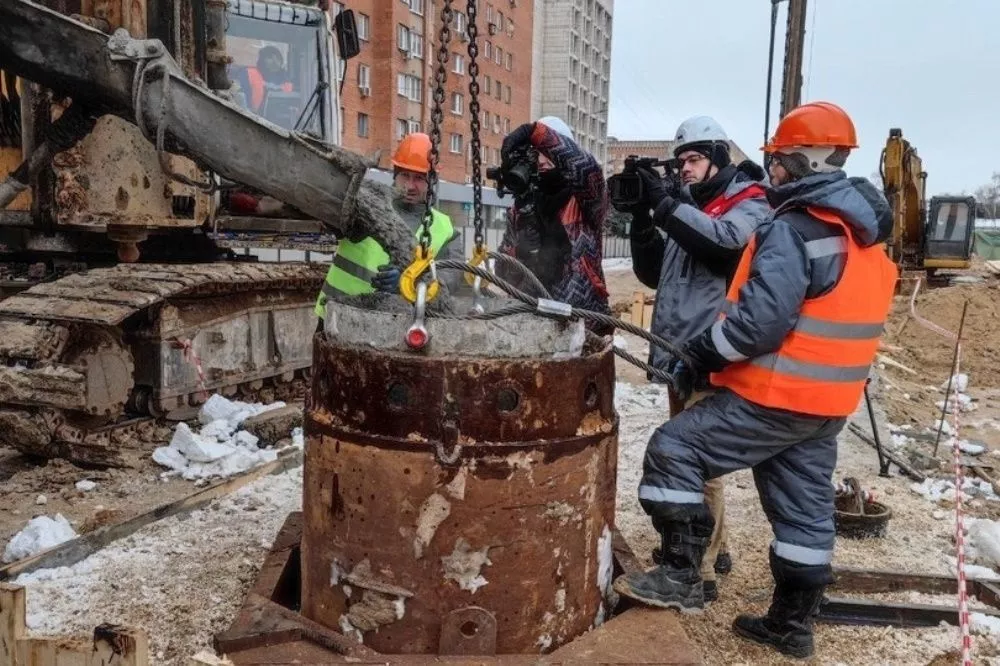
(458, 505)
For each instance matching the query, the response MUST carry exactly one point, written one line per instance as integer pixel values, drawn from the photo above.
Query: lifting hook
(422, 260)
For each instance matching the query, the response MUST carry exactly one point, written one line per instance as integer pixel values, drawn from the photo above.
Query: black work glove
(682, 379)
(387, 279)
(521, 136)
(528, 241)
(704, 355)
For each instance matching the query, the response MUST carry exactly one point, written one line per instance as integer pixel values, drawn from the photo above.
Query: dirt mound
(931, 354)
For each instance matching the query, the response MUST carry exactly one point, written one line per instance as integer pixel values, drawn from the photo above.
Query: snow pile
(943, 489)
(982, 624)
(983, 542)
(39, 534)
(219, 449)
(617, 264)
(631, 397)
(959, 386)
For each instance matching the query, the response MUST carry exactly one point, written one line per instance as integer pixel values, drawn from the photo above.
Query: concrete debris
(464, 565)
(41, 500)
(937, 490)
(221, 448)
(85, 485)
(983, 545)
(39, 534)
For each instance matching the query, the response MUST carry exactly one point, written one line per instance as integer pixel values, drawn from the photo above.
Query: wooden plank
(78, 549)
(638, 303)
(875, 581)
(841, 610)
(647, 316)
(109, 646)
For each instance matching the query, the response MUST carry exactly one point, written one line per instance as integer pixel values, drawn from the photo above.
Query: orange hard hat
(814, 124)
(413, 153)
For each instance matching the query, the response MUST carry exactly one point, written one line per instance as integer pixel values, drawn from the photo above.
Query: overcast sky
(929, 68)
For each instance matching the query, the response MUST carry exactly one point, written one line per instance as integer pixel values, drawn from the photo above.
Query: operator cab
(949, 230)
(282, 65)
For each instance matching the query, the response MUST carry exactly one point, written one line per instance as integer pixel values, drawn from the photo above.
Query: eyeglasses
(690, 159)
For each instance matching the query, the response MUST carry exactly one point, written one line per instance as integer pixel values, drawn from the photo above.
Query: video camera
(519, 173)
(625, 189)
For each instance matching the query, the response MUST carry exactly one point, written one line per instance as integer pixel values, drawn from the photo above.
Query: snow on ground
(219, 449)
(39, 534)
(181, 579)
(617, 264)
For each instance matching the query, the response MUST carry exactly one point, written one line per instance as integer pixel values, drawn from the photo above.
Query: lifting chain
(474, 126)
(437, 117)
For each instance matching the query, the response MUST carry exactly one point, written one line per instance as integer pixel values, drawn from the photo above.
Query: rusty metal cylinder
(458, 505)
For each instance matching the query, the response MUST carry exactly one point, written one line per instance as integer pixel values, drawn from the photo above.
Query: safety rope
(963, 597)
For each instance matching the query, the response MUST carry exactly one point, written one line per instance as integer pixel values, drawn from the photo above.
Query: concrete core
(514, 336)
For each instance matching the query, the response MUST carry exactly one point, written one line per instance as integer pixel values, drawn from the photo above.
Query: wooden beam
(840, 610)
(110, 645)
(78, 549)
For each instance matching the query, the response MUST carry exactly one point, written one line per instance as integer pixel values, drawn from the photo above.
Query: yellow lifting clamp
(422, 260)
(479, 254)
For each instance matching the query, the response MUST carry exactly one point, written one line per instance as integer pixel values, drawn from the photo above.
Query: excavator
(127, 127)
(924, 238)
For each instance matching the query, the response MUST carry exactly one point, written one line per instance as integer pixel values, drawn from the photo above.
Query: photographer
(687, 250)
(555, 227)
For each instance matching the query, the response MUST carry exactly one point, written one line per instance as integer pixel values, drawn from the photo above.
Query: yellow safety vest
(355, 264)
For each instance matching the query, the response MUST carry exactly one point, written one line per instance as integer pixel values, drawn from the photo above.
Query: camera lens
(518, 176)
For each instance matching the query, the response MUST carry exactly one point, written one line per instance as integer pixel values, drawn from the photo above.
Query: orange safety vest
(822, 365)
(258, 86)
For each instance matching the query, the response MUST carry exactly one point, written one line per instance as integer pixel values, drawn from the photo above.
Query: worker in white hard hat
(686, 241)
(556, 225)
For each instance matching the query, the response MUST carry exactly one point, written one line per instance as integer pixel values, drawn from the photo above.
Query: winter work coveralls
(688, 264)
(791, 352)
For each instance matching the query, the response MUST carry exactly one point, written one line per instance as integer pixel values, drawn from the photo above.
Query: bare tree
(876, 179)
(988, 197)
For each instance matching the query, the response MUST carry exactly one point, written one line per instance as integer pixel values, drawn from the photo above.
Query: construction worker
(558, 232)
(269, 74)
(790, 353)
(362, 266)
(686, 250)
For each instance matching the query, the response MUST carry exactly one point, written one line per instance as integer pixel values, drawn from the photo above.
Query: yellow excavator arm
(904, 183)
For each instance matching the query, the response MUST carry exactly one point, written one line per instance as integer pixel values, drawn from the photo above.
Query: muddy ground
(183, 578)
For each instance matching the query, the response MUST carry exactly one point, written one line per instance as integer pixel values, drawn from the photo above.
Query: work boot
(787, 626)
(723, 564)
(676, 581)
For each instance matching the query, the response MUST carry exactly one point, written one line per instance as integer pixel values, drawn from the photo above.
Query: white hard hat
(700, 129)
(557, 124)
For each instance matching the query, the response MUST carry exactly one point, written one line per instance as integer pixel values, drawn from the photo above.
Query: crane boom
(791, 85)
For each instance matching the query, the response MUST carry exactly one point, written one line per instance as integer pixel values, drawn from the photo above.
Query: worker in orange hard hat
(790, 354)
(361, 265)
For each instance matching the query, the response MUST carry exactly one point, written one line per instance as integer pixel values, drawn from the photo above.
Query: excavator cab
(948, 235)
(281, 64)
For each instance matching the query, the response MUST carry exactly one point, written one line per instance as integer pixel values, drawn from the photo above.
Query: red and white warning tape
(963, 599)
(191, 356)
(925, 323)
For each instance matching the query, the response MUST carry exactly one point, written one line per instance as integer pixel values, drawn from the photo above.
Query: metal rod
(770, 74)
(951, 377)
(883, 462)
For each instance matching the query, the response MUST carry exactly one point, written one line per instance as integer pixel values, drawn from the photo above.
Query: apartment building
(619, 149)
(572, 50)
(388, 88)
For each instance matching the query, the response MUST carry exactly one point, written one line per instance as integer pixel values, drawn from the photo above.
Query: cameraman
(687, 250)
(557, 230)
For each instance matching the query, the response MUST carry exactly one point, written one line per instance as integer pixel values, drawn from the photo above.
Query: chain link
(437, 117)
(475, 145)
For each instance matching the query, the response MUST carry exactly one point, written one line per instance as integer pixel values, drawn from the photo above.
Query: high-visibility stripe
(824, 247)
(657, 494)
(329, 290)
(722, 344)
(825, 373)
(353, 269)
(825, 328)
(801, 554)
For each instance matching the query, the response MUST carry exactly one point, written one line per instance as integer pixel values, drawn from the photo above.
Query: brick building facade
(388, 87)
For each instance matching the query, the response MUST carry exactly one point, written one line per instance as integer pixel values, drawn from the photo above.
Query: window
(403, 38)
(506, 125)
(509, 64)
(506, 94)
(489, 13)
(496, 124)
(456, 103)
(456, 143)
(416, 45)
(459, 67)
(487, 85)
(499, 90)
(416, 6)
(412, 126)
(510, 27)
(401, 128)
(364, 27)
(364, 77)
(341, 69)
(410, 87)
(461, 22)
(489, 49)
(498, 55)
(363, 124)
